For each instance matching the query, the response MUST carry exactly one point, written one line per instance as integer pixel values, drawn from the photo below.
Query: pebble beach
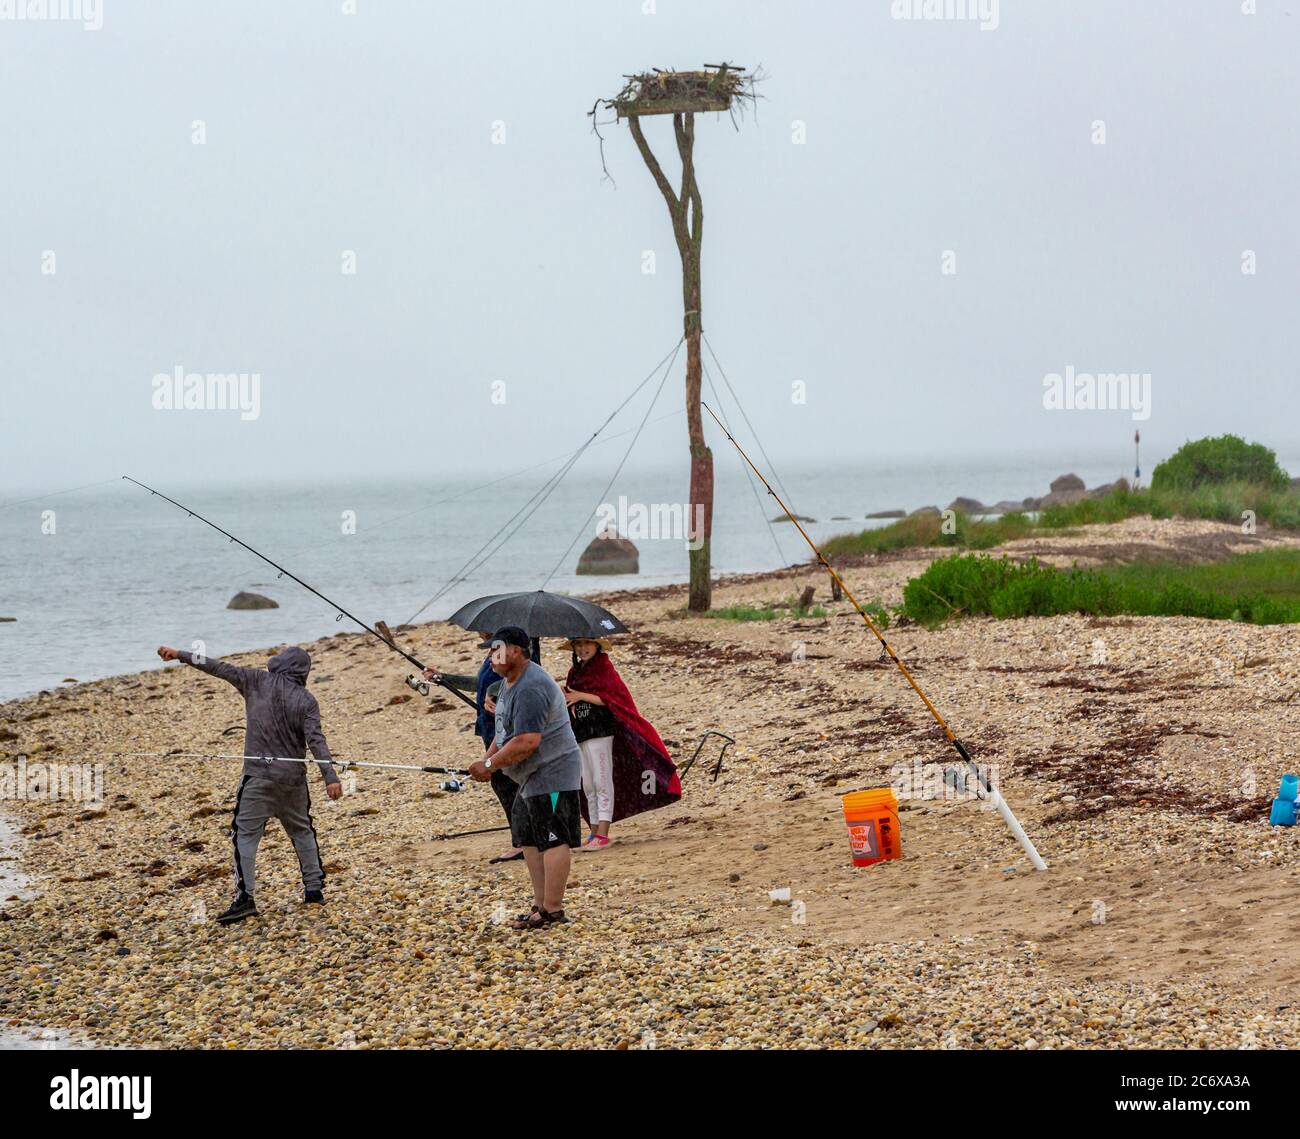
(1139, 753)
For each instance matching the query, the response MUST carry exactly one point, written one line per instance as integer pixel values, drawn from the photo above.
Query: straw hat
(601, 641)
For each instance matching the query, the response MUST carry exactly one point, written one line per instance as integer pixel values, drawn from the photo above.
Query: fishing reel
(419, 684)
(452, 785)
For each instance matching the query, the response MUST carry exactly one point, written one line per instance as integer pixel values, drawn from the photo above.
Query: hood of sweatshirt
(293, 663)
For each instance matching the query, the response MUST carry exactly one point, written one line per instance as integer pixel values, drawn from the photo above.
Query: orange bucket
(874, 831)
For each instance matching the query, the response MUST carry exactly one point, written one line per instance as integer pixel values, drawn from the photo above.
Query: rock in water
(608, 553)
(1067, 482)
(243, 600)
(967, 505)
(888, 514)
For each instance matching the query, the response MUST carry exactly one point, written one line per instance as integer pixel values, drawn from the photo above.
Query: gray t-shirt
(535, 703)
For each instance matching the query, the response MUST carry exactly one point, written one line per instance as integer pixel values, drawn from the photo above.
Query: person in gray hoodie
(281, 718)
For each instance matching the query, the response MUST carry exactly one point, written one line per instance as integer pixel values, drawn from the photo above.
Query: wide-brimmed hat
(601, 641)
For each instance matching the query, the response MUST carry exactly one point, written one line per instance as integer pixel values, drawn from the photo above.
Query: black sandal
(539, 919)
(521, 921)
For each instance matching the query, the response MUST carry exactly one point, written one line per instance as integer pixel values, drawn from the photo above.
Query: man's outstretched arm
(239, 677)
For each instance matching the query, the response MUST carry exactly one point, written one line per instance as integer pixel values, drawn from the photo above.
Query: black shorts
(546, 820)
(507, 791)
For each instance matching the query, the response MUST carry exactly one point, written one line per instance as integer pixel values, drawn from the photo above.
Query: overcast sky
(447, 145)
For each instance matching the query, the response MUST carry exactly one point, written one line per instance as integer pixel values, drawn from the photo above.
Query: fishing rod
(415, 682)
(466, 834)
(334, 761)
(995, 796)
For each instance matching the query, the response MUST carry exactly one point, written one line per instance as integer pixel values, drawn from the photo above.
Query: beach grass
(1262, 588)
(745, 612)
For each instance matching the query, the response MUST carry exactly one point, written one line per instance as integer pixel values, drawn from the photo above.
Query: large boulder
(1065, 490)
(243, 600)
(926, 511)
(608, 553)
(967, 505)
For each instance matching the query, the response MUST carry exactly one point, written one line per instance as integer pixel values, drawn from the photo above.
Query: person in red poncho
(625, 767)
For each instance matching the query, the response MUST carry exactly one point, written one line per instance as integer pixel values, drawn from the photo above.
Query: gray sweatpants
(259, 800)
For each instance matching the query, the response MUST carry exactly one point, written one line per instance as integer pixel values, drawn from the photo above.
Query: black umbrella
(539, 614)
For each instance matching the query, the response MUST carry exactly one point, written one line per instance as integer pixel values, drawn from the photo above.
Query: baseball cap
(512, 635)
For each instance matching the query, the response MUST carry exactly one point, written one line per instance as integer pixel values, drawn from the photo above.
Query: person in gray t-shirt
(535, 746)
(534, 702)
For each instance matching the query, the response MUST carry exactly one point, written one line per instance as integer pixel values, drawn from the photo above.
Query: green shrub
(878, 613)
(1225, 458)
(957, 585)
(1262, 587)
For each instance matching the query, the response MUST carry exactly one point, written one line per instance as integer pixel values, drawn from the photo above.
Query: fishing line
(476, 562)
(285, 573)
(54, 494)
(604, 494)
(473, 489)
(741, 407)
(479, 558)
(782, 560)
(995, 796)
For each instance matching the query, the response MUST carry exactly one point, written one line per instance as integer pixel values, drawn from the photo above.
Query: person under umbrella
(626, 769)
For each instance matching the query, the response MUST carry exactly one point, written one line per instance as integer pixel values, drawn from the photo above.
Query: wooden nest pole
(681, 94)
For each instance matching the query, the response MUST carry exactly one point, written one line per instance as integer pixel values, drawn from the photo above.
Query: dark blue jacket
(485, 724)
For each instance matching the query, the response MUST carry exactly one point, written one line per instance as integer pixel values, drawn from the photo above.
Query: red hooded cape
(638, 750)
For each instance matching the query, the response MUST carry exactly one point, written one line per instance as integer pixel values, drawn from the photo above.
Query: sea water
(97, 579)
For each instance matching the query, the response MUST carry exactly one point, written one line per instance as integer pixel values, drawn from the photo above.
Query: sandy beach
(1140, 754)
